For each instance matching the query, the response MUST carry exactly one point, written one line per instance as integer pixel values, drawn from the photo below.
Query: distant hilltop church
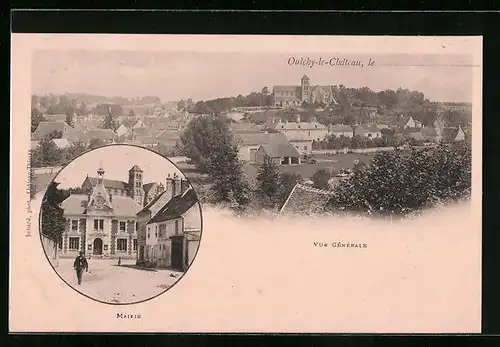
(296, 95)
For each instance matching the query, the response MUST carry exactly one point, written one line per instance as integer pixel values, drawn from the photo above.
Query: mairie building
(112, 219)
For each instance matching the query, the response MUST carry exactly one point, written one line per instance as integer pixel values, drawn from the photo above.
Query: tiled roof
(278, 147)
(176, 207)
(113, 184)
(101, 134)
(124, 206)
(76, 204)
(135, 168)
(46, 127)
(306, 200)
(157, 203)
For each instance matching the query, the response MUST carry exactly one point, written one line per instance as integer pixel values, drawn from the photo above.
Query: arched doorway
(97, 246)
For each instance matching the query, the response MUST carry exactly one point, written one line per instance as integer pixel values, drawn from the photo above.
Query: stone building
(102, 219)
(99, 223)
(169, 227)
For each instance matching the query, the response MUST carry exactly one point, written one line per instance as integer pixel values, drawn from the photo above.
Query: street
(105, 281)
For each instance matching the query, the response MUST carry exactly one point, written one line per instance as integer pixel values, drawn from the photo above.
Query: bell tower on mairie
(135, 181)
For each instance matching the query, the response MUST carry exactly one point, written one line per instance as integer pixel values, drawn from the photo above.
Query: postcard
(245, 184)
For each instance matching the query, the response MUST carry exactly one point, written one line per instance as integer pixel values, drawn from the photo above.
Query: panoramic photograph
(120, 224)
(303, 134)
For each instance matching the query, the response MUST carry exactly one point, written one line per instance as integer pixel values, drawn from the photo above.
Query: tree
(202, 137)
(70, 119)
(74, 150)
(225, 170)
(95, 143)
(209, 144)
(265, 91)
(268, 183)
(110, 123)
(287, 182)
(404, 183)
(46, 154)
(53, 221)
(36, 119)
(320, 179)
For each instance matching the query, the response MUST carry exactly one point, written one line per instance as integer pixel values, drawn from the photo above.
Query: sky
(116, 161)
(202, 76)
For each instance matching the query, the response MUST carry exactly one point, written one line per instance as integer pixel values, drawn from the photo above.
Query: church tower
(305, 88)
(135, 184)
(99, 197)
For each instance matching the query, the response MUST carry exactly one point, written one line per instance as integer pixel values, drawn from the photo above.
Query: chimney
(184, 185)
(160, 188)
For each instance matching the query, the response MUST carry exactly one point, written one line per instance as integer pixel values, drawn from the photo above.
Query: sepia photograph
(341, 134)
(120, 224)
(336, 181)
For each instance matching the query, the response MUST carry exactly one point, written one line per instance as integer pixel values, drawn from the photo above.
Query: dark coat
(80, 263)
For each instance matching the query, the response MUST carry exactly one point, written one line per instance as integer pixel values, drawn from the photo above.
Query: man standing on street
(80, 264)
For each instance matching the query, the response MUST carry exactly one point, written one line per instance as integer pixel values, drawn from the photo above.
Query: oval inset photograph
(120, 224)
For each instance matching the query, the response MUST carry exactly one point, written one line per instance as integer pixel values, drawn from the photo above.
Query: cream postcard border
(36, 309)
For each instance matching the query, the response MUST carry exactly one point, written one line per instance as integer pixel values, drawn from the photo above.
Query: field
(336, 162)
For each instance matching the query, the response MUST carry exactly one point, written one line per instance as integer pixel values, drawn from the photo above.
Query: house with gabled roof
(47, 127)
(104, 219)
(409, 122)
(279, 149)
(305, 200)
(249, 142)
(170, 226)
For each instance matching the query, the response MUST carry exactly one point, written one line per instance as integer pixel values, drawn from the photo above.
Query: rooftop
(176, 207)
